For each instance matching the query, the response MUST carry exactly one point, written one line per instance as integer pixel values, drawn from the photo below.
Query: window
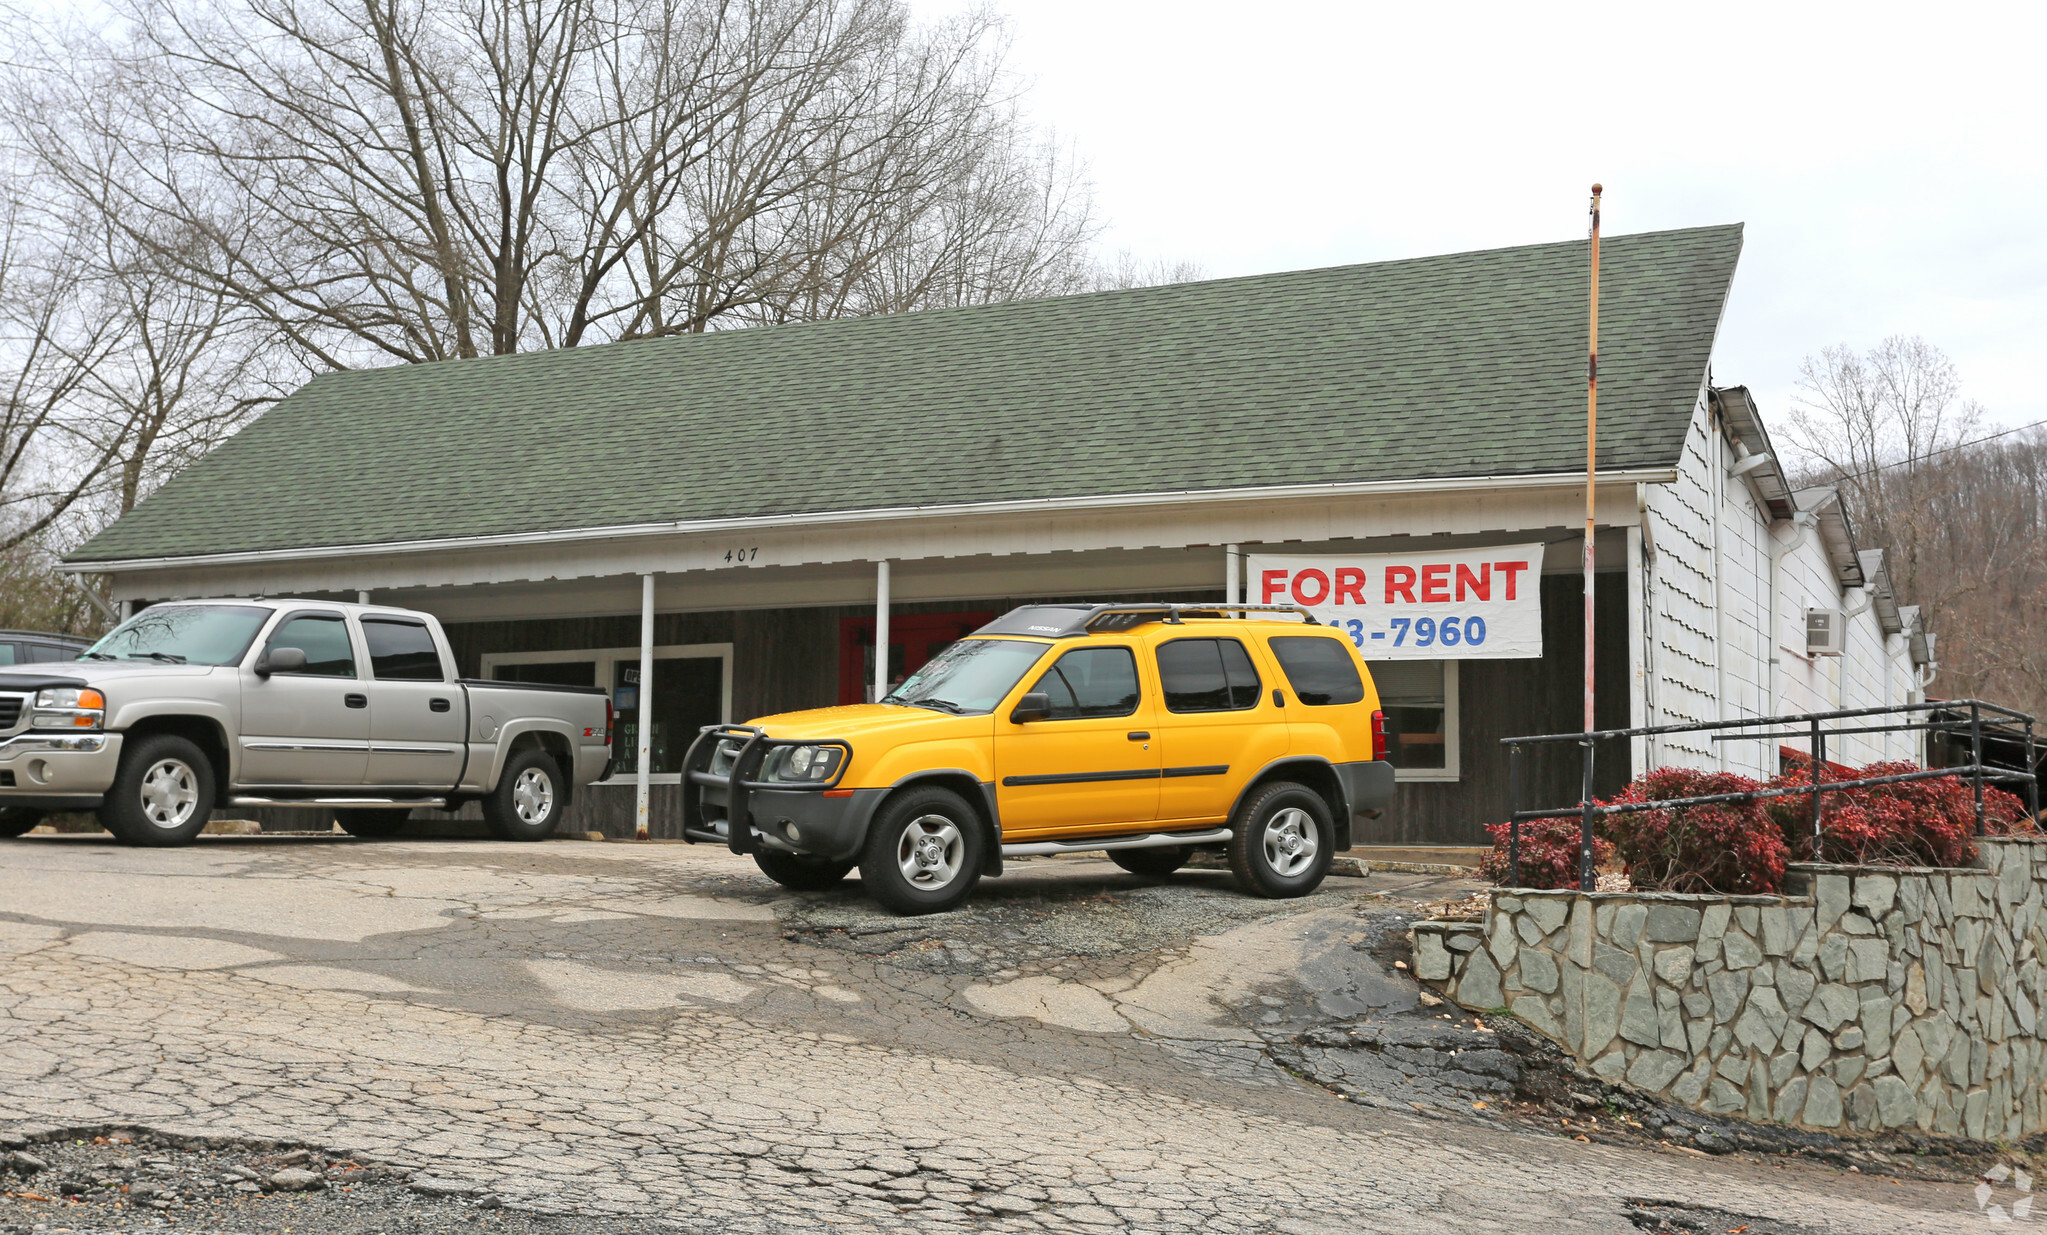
(184, 634)
(49, 653)
(972, 675)
(1207, 675)
(402, 651)
(6, 654)
(1419, 698)
(692, 688)
(323, 638)
(688, 694)
(1091, 682)
(1322, 671)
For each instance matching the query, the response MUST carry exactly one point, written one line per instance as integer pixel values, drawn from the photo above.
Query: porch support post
(880, 630)
(1233, 567)
(646, 708)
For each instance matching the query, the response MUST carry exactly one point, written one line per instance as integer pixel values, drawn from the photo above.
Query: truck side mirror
(281, 660)
(1037, 705)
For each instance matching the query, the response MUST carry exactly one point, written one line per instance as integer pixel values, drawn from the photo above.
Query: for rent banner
(1454, 604)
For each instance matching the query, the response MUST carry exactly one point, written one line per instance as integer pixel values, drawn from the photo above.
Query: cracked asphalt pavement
(656, 1038)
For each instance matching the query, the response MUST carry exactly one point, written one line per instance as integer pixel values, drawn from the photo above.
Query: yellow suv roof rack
(1070, 621)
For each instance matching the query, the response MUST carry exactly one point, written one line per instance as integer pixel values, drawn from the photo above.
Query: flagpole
(1586, 876)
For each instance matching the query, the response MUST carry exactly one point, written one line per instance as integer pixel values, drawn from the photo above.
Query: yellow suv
(1146, 730)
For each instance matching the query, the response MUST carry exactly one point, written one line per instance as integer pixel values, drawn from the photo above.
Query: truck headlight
(70, 708)
(807, 764)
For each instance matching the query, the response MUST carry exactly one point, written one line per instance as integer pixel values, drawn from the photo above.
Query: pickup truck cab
(353, 710)
(1147, 730)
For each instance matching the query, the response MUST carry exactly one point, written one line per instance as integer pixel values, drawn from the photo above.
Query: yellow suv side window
(1207, 675)
(1322, 671)
(1091, 682)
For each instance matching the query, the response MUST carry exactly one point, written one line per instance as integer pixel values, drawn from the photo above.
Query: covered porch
(694, 625)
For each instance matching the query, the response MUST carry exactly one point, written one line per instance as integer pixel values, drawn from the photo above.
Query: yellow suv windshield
(970, 676)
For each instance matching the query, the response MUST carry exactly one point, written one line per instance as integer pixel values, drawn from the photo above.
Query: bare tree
(424, 179)
(1126, 269)
(1962, 520)
(51, 342)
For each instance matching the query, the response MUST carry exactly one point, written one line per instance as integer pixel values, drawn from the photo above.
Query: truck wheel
(528, 800)
(162, 794)
(1151, 863)
(17, 821)
(370, 824)
(924, 851)
(799, 873)
(1280, 843)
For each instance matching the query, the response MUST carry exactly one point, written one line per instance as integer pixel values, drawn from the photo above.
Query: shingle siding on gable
(1464, 365)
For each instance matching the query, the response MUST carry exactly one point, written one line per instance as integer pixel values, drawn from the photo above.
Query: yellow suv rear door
(1218, 725)
(1094, 763)
(1333, 698)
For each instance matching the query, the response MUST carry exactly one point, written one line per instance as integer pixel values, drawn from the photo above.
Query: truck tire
(527, 803)
(1151, 863)
(17, 821)
(1280, 844)
(370, 824)
(163, 793)
(799, 873)
(924, 851)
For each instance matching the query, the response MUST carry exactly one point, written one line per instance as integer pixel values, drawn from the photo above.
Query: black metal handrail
(2003, 722)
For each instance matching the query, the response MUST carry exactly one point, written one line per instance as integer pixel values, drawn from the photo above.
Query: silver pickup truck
(353, 710)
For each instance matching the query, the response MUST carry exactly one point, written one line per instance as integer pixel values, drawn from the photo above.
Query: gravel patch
(127, 1180)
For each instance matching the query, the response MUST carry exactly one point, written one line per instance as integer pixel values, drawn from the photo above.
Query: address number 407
(1427, 632)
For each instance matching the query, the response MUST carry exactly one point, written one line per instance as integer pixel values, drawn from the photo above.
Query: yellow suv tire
(1280, 844)
(1152, 863)
(924, 851)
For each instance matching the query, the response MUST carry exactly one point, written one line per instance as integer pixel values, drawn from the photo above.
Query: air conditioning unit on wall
(1825, 630)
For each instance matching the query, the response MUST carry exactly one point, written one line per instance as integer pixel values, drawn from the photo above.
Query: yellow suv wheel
(924, 851)
(1280, 843)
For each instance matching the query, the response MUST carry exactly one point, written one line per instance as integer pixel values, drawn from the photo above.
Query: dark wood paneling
(1508, 698)
(784, 660)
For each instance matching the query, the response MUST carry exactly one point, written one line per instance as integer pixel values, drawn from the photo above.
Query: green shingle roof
(1463, 365)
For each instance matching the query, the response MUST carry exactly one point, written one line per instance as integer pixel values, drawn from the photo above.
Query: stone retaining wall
(1876, 997)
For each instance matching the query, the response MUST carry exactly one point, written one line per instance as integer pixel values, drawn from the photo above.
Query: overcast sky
(1887, 159)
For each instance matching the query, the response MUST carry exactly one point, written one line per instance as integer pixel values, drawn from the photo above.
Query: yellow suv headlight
(71, 708)
(809, 764)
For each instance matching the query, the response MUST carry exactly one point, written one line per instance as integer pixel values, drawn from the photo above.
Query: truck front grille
(10, 710)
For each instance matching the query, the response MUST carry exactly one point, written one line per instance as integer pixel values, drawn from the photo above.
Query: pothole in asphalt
(1028, 922)
(1673, 1218)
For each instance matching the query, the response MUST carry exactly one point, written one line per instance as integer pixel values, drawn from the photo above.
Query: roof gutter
(1033, 506)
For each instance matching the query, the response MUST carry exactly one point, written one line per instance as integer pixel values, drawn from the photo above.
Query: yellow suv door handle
(1138, 736)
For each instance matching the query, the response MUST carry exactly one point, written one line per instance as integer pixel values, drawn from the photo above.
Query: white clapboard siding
(1711, 637)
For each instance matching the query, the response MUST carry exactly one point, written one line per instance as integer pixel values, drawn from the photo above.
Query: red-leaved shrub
(1742, 847)
(1914, 823)
(1549, 853)
(1727, 847)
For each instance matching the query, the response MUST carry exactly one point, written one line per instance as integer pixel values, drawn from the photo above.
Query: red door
(913, 638)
